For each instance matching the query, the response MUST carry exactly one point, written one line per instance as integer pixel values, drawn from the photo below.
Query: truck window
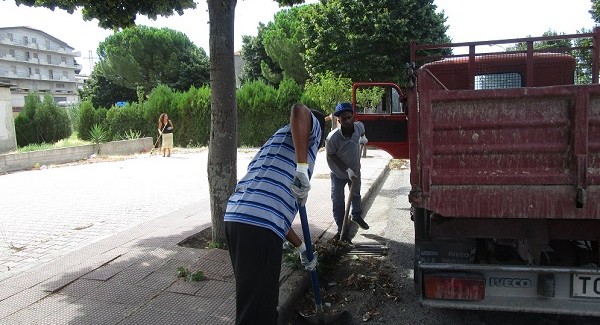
(378, 100)
(498, 80)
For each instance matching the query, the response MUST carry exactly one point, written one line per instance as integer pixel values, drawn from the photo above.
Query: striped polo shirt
(263, 196)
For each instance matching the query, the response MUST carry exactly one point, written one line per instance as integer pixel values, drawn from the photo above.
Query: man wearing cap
(343, 146)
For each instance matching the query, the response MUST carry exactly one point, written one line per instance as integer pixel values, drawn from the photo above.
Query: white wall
(8, 139)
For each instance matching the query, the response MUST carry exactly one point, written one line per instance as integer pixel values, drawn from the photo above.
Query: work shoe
(360, 222)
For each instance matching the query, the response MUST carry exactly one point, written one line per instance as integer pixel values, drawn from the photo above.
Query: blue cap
(341, 108)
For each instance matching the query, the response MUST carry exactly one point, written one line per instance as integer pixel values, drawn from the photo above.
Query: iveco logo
(509, 282)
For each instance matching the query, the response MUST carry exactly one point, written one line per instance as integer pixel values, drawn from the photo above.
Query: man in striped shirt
(260, 213)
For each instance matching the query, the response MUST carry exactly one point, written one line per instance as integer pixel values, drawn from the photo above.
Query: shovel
(320, 317)
(347, 211)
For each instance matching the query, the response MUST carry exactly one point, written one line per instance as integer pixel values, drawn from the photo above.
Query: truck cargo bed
(507, 153)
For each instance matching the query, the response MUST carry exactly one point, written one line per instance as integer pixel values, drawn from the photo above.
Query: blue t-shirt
(263, 196)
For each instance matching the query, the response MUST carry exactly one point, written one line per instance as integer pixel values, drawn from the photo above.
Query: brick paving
(97, 243)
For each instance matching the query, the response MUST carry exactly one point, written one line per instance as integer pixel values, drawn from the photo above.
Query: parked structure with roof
(32, 60)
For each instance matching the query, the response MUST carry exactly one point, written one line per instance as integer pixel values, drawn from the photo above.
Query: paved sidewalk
(130, 277)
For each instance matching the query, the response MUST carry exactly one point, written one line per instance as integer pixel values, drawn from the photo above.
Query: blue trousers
(338, 199)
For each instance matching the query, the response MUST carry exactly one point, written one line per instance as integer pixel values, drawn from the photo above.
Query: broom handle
(314, 277)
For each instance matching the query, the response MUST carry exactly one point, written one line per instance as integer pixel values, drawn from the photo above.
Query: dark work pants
(256, 258)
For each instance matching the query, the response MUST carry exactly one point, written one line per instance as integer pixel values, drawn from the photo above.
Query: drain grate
(369, 249)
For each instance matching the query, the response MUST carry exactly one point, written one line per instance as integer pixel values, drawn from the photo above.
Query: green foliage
(595, 11)
(184, 272)
(131, 135)
(35, 147)
(145, 57)
(327, 90)
(256, 60)
(193, 128)
(104, 93)
(368, 40)
(87, 119)
(542, 44)
(41, 121)
(115, 14)
(282, 41)
(161, 100)
(64, 143)
(215, 245)
(52, 121)
(368, 98)
(25, 130)
(121, 120)
(98, 134)
(73, 113)
(583, 72)
(257, 111)
(583, 53)
(288, 93)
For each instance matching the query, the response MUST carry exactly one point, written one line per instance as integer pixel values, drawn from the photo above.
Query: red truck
(504, 152)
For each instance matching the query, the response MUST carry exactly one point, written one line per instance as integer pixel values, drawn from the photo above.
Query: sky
(468, 20)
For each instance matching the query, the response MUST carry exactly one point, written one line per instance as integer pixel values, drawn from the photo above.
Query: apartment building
(32, 60)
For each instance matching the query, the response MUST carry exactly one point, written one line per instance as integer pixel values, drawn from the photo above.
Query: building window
(37, 70)
(49, 58)
(11, 52)
(35, 55)
(65, 74)
(29, 70)
(13, 69)
(47, 44)
(60, 85)
(63, 59)
(10, 36)
(51, 74)
(33, 40)
(25, 40)
(27, 56)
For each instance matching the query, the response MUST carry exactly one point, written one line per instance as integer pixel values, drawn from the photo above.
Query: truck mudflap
(515, 288)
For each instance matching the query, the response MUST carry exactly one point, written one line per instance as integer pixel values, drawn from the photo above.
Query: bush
(161, 100)
(257, 103)
(87, 119)
(194, 122)
(52, 121)
(123, 120)
(41, 122)
(73, 113)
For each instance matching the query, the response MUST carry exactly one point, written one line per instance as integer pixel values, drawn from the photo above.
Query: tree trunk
(222, 154)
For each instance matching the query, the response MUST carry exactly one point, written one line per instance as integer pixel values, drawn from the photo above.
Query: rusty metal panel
(509, 153)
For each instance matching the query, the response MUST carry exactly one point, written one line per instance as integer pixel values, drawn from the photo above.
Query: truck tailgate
(508, 153)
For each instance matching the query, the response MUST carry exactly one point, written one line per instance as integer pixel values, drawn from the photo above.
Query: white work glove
(351, 173)
(159, 131)
(308, 265)
(363, 140)
(301, 184)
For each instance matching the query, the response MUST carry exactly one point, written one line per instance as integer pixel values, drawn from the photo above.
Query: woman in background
(165, 128)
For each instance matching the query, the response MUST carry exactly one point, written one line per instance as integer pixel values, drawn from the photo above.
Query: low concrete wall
(19, 161)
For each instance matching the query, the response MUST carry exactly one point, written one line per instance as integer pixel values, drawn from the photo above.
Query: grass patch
(71, 141)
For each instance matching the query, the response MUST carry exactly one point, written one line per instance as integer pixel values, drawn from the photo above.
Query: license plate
(586, 285)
